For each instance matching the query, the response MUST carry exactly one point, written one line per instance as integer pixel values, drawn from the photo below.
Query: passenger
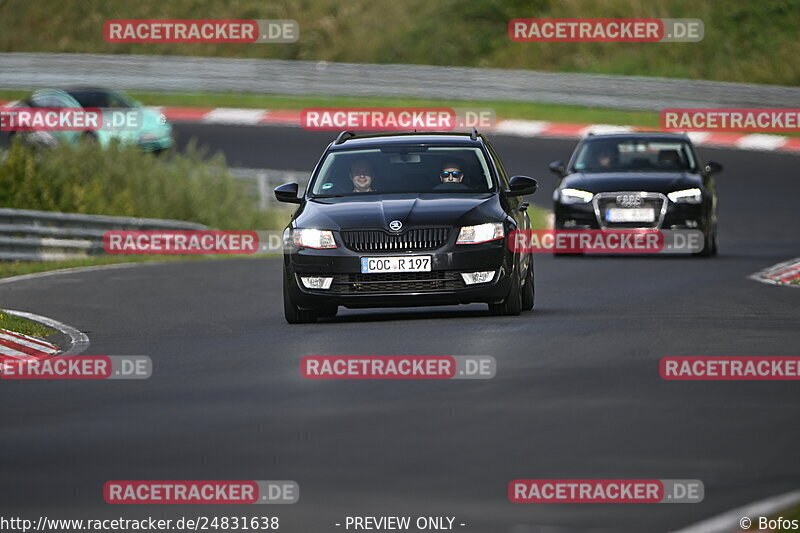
(669, 158)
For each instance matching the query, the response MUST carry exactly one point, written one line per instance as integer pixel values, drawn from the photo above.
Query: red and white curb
(786, 273)
(18, 348)
(513, 127)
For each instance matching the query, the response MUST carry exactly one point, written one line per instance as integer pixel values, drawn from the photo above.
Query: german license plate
(408, 263)
(637, 214)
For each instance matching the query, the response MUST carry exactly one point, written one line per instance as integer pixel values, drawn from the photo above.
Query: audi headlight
(686, 196)
(481, 233)
(575, 196)
(313, 238)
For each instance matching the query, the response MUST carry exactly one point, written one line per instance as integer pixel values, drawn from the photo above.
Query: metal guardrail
(264, 180)
(179, 73)
(27, 235)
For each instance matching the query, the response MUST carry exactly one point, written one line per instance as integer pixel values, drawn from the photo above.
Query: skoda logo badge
(395, 225)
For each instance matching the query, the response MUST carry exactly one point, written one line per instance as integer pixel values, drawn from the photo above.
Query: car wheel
(512, 305)
(528, 290)
(709, 244)
(292, 313)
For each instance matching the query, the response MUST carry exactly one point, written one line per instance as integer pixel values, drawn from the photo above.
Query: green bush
(122, 181)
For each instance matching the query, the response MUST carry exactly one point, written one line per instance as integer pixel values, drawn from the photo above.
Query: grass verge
(502, 109)
(24, 326)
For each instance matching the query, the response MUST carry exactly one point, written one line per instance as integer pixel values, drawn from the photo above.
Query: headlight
(481, 233)
(313, 238)
(575, 196)
(686, 196)
(162, 118)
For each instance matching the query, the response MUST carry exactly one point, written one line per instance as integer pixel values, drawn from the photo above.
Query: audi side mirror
(521, 186)
(288, 193)
(557, 168)
(712, 167)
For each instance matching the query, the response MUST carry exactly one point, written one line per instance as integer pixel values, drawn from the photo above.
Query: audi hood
(663, 182)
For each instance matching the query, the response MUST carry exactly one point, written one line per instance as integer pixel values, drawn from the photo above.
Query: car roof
(637, 135)
(422, 138)
(88, 90)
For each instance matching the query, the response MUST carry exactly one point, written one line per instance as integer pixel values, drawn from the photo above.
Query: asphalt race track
(577, 392)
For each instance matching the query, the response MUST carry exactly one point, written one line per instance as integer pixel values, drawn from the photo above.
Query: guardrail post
(264, 196)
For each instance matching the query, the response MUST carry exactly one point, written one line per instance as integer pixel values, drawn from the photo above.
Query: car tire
(709, 244)
(292, 313)
(528, 289)
(512, 305)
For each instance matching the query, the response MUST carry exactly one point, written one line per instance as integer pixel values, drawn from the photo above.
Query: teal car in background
(146, 128)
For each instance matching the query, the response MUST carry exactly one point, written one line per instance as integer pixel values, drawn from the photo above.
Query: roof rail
(474, 134)
(343, 136)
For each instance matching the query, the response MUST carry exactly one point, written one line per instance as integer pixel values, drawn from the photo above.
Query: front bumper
(153, 144)
(676, 216)
(443, 285)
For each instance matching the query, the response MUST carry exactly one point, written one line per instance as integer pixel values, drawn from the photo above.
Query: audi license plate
(630, 214)
(408, 263)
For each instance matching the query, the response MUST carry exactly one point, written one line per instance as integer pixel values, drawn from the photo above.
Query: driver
(361, 174)
(605, 156)
(451, 172)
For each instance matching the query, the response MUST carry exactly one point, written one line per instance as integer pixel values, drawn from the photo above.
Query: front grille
(414, 239)
(396, 282)
(652, 200)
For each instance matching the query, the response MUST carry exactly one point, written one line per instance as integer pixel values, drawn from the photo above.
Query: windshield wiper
(329, 196)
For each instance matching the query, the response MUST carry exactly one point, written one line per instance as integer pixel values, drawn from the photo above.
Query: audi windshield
(634, 156)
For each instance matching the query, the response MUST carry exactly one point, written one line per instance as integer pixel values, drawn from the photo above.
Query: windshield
(651, 155)
(403, 169)
(101, 99)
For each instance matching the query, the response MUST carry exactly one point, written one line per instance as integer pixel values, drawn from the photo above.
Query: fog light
(471, 278)
(316, 282)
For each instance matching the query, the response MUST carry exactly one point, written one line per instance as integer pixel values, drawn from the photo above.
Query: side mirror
(288, 193)
(557, 168)
(522, 185)
(712, 167)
